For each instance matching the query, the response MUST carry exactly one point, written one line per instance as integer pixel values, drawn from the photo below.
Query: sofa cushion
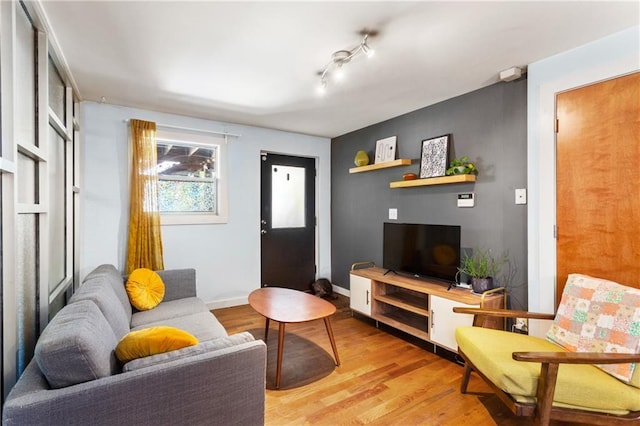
(578, 386)
(597, 315)
(77, 346)
(102, 294)
(204, 347)
(110, 275)
(168, 310)
(151, 341)
(203, 325)
(145, 289)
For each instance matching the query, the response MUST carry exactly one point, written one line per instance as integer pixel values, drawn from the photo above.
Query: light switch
(521, 196)
(393, 214)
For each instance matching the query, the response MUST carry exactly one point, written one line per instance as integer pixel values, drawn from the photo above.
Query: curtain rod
(169, 126)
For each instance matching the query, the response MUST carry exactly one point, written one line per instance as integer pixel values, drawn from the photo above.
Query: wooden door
(288, 223)
(597, 181)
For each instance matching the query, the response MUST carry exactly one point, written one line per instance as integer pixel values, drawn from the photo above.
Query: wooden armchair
(540, 404)
(562, 377)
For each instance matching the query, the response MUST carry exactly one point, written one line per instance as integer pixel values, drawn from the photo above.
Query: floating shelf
(386, 164)
(443, 180)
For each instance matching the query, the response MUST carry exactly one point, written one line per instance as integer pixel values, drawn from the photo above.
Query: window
(191, 178)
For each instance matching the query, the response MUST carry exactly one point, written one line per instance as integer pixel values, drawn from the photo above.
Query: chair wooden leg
(546, 389)
(465, 377)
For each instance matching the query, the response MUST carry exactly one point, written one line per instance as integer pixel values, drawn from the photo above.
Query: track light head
(341, 57)
(365, 47)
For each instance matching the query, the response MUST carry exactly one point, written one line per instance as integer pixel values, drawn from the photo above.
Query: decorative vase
(480, 285)
(362, 159)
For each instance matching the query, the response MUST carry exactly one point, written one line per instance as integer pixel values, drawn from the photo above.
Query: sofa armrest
(178, 283)
(220, 387)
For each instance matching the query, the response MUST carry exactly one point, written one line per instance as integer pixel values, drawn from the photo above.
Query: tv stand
(420, 307)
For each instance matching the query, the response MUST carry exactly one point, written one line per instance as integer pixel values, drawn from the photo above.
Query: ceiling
(256, 63)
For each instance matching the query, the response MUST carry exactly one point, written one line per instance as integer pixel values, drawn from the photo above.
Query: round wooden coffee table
(285, 306)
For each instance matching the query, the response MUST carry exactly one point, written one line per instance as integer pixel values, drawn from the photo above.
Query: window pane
(25, 77)
(27, 179)
(26, 284)
(183, 160)
(57, 210)
(187, 196)
(57, 99)
(287, 197)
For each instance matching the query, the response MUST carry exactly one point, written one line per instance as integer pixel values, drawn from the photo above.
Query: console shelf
(395, 163)
(420, 307)
(442, 180)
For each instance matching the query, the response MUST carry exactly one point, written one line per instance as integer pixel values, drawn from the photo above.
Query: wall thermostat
(466, 199)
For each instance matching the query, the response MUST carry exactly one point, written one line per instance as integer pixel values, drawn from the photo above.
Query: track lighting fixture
(340, 58)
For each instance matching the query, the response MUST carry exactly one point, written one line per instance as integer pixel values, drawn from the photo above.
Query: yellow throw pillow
(151, 341)
(145, 289)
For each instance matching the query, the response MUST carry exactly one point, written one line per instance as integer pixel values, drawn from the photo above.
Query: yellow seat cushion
(145, 289)
(578, 386)
(152, 341)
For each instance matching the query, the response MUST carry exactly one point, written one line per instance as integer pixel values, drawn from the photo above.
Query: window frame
(200, 218)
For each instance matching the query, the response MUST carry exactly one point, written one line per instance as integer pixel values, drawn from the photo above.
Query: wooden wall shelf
(443, 180)
(387, 164)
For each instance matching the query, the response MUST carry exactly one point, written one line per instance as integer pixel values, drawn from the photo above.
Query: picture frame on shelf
(386, 150)
(434, 156)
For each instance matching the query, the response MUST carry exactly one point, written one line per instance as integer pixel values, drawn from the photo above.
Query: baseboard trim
(228, 303)
(237, 301)
(341, 290)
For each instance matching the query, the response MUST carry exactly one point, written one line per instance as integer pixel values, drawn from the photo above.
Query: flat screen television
(422, 250)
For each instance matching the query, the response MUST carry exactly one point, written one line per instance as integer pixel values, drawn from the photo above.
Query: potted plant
(482, 266)
(461, 166)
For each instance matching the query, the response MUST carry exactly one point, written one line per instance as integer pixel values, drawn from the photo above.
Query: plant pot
(480, 285)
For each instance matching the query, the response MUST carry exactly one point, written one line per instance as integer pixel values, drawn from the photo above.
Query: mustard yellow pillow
(152, 341)
(145, 289)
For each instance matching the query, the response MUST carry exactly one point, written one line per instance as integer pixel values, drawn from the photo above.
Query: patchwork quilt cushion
(597, 315)
(151, 341)
(145, 289)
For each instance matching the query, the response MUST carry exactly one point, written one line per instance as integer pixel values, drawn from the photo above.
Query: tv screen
(422, 250)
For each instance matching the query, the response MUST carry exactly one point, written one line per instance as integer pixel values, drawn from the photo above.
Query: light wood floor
(386, 377)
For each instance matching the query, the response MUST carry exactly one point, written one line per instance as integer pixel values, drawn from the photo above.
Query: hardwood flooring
(385, 378)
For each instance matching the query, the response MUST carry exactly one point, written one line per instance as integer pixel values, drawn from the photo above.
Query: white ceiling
(256, 62)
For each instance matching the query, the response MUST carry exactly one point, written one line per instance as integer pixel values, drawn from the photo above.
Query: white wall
(226, 256)
(603, 59)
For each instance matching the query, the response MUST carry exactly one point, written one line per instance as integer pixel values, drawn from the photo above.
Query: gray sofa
(75, 378)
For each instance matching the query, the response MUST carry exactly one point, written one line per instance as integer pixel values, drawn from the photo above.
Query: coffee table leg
(280, 348)
(333, 342)
(266, 330)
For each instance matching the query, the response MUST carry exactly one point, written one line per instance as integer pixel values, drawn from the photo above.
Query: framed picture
(434, 157)
(386, 150)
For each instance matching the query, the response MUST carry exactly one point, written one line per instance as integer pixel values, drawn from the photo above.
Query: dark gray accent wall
(489, 126)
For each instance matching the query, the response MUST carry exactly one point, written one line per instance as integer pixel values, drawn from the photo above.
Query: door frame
(316, 242)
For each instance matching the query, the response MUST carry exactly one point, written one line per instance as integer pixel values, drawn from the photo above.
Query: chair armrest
(576, 357)
(505, 313)
(178, 283)
(549, 365)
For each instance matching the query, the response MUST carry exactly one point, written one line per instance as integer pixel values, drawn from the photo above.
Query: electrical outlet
(521, 325)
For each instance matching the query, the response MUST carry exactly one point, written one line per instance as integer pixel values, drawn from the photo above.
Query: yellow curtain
(144, 249)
